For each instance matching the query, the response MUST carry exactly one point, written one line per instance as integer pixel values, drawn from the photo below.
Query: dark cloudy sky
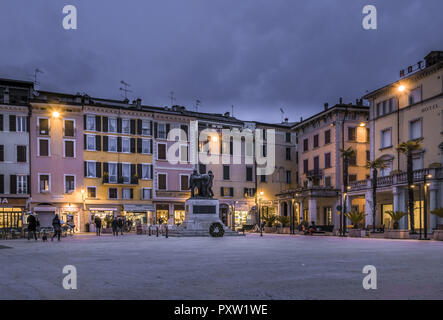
(258, 55)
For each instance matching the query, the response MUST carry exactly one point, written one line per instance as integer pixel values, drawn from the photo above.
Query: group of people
(117, 225)
(34, 224)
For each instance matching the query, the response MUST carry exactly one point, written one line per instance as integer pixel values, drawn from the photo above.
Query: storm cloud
(258, 55)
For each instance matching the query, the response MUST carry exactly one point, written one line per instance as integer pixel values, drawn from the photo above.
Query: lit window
(44, 183)
(69, 184)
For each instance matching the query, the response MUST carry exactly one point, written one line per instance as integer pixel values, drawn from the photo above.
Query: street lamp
(259, 213)
(401, 88)
(55, 114)
(425, 205)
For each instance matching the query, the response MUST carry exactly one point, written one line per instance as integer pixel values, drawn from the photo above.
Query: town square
(221, 150)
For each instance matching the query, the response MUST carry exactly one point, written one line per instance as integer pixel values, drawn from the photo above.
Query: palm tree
(408, 148)
(396, 216)
(378, 163)
(346, 155)
(356, 218)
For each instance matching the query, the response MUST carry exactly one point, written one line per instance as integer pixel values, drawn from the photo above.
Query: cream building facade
(407, 110)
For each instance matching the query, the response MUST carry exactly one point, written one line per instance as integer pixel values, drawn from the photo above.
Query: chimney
(227, 114)
(301, 119)
(286, 120)
(341, 100)
(326, 106)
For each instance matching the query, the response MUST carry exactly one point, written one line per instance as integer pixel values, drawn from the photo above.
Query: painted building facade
(320, 165)
(117, 166)
(409, 109)
(14, 152)
(57, 158)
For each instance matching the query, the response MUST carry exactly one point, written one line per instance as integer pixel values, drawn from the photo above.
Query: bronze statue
(203, 183)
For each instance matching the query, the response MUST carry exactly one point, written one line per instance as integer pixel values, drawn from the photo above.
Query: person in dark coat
(32, 226)
(98, 225)
(120, 225)
(114, 225)
(57, 228)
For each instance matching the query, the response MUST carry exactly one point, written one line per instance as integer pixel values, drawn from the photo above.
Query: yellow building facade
(118, 167)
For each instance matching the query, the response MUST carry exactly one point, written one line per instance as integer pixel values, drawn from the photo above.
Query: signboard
(138, 207)
(202, 209)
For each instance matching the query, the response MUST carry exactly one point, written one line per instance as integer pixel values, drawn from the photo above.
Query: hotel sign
(4, 200)
(430, 108)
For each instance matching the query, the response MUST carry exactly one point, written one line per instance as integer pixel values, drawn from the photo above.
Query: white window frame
(49, 182)
(38, 124)
(148, 165)
(116, 172)
(129, 126)
(87, 168)
(143, 194)
(382, 138)
(183, 174)
(109, 124)
(123, 193)
(64, 182)
(64, 148)
(180, 153)
(126, 164)
(22, 125)
(158, 131)
(64, 122)
(94, 117)
(109, 198)
(166, 150)
(148, 141)
(49, 146)
(421, 128)
(116, 144)
(144, 121)
(24, 184)
(95, 142)
(95, 188)
(158, 185)
(129, 144)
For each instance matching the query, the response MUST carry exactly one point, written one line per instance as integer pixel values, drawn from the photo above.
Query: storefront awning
(138, 207)
(102, 209)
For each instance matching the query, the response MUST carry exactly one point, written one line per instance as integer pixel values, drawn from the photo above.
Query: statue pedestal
(201, 213)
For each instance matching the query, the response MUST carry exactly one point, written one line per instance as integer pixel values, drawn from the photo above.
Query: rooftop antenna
(172, 97)
(197, 103)
(36, 71)
(125, 89)
(282, 114)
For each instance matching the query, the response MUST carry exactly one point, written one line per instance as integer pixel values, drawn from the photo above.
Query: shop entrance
(179, 214)
(162, 211)
(11, 218)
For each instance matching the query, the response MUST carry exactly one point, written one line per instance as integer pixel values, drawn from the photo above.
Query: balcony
(316, 173)
(397, 179)
(120, 180)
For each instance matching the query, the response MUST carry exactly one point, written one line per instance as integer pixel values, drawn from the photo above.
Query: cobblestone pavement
(251, 267)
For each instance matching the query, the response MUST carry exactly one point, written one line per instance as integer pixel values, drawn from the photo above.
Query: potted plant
(438, 233)
(269, 220)
(284, 224)
(87, 226)
(357, 219)
(396, 232)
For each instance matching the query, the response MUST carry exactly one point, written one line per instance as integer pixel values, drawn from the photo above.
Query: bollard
(166, 234)
(243, 231)
(157, 231)
(149, 230)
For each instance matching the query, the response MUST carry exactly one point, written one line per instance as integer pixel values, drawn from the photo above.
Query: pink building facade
(57, 158)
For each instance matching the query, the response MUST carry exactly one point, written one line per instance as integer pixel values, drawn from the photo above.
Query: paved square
(271, 267)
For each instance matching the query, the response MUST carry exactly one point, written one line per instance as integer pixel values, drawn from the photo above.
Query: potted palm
(284, 224)
(269, 220)
(396, 232)
(357, 220)
(438, 233)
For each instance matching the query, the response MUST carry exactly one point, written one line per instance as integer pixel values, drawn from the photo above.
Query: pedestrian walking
(98, 225)
(57, 228)
(114, 226)
(32, 226)
(120, 225)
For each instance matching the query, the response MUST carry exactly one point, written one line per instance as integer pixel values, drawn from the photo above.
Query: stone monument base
(200, 215)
